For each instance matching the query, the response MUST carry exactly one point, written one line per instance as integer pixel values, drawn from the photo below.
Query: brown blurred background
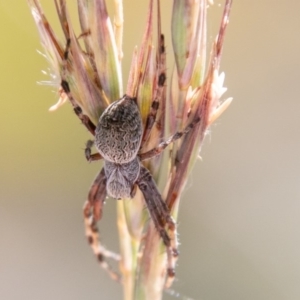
(239, 221)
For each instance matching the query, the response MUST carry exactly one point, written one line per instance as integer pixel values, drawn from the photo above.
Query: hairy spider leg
(161, 217)
(92, 211)
(157, 150)
(159, 92)
(92, 208)
(88, 152)
(65, 86)
(157, 207)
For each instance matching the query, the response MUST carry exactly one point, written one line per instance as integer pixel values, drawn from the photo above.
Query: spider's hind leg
(92, 211)
(66, 87)
(157, 150)
(161, 79)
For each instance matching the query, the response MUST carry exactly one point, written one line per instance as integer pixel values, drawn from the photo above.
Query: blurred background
(239, 221)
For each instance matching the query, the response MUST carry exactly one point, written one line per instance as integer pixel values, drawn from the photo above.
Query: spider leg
(88, 152)
(159, 93)
(65, 86)
(161, 217)
(92, 211)
(157, 150)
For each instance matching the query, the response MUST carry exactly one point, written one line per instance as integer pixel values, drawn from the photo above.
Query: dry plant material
(128, 130)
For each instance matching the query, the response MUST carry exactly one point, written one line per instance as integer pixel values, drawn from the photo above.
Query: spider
(119, 137)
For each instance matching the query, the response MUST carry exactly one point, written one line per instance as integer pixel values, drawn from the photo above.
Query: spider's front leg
(161, 217)
(92, 211)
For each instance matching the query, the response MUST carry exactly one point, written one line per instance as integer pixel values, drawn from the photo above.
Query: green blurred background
(239, 221)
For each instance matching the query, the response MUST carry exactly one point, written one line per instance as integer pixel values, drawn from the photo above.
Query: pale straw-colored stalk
(94, 73)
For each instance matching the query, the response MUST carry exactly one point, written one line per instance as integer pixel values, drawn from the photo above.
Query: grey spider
(118, 138)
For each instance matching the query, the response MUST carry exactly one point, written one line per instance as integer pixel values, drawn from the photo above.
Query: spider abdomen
(119, 131)
(121, 178)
